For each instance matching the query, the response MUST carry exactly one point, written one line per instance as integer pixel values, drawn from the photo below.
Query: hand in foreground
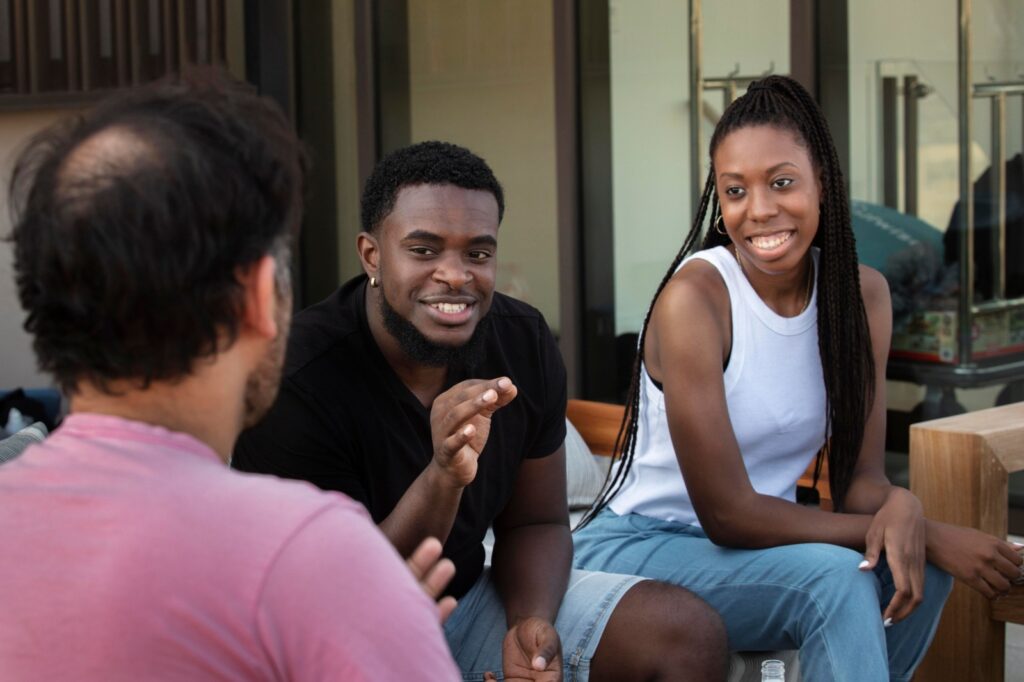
(433, 574)
(899, 529)
(460, 421)
(531, 652)
(979, 560)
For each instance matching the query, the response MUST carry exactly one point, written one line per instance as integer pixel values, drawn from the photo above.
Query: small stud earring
(374, 283)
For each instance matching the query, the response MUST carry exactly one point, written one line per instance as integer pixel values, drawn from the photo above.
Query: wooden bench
(598, 424)
(959, 468)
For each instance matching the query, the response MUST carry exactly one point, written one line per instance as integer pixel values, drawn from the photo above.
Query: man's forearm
(427, 509)
(531, 569)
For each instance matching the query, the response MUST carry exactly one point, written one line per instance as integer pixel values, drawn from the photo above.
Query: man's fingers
(433, 574)
(507, 391)
(479, 402)
(485, 398)
(431, 571)
(462, 391)
(453, 443)
(445, 608)
(424, 557)
(438, 577)
(544, 646)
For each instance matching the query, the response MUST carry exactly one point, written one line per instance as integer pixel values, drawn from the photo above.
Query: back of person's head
(843, 337)
(133, 221)
(425, 163)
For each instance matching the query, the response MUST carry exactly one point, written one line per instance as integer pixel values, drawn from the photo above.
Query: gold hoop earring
(720, 226)
(374, 283)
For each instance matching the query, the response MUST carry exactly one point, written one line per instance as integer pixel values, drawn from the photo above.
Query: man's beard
(419, 348)
(262, 384)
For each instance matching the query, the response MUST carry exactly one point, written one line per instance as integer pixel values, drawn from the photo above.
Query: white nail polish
(864, 564)
(887, 622)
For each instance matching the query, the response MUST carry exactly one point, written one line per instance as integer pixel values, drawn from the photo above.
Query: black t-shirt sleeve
(295, 441)
(551, 432)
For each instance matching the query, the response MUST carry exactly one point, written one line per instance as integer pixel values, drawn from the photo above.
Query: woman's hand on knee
(899, 530)
(979, 560)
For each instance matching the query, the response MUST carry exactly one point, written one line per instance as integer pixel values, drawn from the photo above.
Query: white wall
(17, 362)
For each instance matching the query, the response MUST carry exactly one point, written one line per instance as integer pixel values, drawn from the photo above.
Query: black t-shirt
(344, 420)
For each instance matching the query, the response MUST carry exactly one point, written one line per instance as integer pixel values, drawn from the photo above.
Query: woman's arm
(870, 488)
(899, 528)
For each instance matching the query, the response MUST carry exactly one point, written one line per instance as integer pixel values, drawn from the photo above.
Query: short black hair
(132, 220)
(425, 163)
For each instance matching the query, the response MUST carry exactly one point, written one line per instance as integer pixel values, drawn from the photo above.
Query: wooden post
(959, 469)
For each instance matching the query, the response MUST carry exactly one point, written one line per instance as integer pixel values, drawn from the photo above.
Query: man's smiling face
(437, 261)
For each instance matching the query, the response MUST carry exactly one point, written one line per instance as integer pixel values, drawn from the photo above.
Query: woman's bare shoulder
(696, 300)
(874, 288)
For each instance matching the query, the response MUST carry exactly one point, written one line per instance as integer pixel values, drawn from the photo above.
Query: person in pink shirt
(151, 244)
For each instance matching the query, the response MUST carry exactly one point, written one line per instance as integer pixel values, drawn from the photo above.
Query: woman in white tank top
(757, 352)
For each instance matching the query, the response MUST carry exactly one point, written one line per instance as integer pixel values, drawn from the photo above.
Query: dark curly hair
(425, 163)
(844, 342)
(131, 222)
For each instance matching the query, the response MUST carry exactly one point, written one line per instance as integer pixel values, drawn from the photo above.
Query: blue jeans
(476, 629)
(810, 597)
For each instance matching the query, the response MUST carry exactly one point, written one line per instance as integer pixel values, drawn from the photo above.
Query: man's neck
(210, 411)
(424, 381)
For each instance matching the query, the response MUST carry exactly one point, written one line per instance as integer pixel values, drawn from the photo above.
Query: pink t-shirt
(131, 552)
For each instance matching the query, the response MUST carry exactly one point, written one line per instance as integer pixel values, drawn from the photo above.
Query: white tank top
(775, 392)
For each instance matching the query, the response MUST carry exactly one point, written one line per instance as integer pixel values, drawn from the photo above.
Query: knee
(832, 569)
(826, 583)
(685, 635)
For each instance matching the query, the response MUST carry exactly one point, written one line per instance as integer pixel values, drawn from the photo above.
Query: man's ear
(369, 253)
(260, 296)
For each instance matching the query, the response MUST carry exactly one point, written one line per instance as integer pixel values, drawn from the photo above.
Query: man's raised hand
(460, 422)
(433, 574)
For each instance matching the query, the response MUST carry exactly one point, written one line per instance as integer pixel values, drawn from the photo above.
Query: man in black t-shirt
(440, 405)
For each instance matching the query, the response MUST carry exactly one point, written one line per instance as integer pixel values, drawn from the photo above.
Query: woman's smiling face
(770, 194)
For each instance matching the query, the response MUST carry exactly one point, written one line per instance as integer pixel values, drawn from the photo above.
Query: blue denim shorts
(476, 630)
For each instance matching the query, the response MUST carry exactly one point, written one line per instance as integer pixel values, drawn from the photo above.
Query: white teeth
(768, 243)
(450, 308)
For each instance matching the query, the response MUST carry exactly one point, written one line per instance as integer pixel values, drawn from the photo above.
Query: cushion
(585, 477)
